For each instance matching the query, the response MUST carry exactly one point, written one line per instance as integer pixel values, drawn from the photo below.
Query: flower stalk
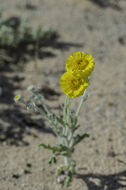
(83, 99)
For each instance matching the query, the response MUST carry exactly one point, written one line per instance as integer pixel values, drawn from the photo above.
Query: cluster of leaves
(15, 32)
(68, 139)
(60, 149)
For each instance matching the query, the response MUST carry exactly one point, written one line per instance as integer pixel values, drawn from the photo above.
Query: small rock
(122, 40)
(60, 179)
(29, 165)
(16, 176)
(27, 172)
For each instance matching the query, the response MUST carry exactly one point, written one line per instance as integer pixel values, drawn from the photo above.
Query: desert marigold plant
(73, 83)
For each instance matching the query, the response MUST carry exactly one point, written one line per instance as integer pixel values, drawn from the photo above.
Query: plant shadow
(7, 88)
(18, 124)
(30, 6)
(14, 124)
(27, 48)
(25, 51)
(107, 3)
(106, 182)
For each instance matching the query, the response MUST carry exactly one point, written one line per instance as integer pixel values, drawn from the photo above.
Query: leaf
(59, 149)
(75, 128)
(52, 160)
(78, 138)
(53, 148)
(73, 119)
(67, 181)
(60, 120)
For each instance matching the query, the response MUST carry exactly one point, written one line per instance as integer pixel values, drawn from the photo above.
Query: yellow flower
(17, 98)
(73, 86)
(80, 64)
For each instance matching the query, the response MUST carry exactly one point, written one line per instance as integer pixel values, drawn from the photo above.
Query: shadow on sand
(26, 46)
(106, 182)
(107, 4)
(18, 124)
(14, 124)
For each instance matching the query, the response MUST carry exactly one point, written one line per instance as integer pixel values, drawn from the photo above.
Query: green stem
(66, 128)
(36, 54)
(66, 108)
(83, 98)
(66, 161)
(66, 117)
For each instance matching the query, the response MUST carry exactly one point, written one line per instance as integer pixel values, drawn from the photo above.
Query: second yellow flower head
(80, 64)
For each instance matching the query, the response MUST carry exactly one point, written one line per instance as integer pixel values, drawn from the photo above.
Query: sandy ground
(99, 29)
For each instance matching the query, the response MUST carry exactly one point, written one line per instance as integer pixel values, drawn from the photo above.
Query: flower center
(81, 64)
(75, 83)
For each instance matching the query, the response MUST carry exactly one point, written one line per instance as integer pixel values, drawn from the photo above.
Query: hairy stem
(83, 99)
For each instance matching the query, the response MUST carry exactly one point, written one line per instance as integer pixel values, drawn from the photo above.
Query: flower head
(80, 64)
(17, 98)
(73, 86)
